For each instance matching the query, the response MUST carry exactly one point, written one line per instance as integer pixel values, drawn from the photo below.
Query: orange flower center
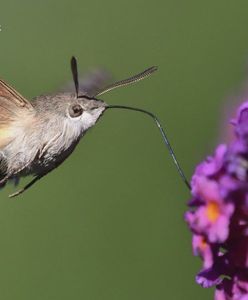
(203, 244)
(212, 211)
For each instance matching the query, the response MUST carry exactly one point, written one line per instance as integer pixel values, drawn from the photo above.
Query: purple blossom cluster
(218, 215)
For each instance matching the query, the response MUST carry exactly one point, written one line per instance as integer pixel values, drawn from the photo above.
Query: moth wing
(94, 82)
(13, 107)
(11, 95)
(90, 84)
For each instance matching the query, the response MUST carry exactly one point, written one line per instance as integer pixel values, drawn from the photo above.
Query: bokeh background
(108, 224)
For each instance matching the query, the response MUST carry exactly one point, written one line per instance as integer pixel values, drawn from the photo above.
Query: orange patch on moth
(212, 211)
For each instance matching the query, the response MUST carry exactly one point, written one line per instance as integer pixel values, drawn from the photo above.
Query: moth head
(85, 111)
(79, 112)
(88, 108)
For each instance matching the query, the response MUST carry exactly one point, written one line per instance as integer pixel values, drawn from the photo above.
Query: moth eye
(75, 110)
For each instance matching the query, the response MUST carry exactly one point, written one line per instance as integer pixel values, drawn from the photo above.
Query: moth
(37, 136)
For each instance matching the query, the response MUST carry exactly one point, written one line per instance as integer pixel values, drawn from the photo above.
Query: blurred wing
(90, 84)
(12, 107)
(94, 82)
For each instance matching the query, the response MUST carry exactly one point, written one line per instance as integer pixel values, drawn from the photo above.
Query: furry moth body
(37, 136)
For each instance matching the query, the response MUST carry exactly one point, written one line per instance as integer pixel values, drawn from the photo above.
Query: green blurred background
(108, 224)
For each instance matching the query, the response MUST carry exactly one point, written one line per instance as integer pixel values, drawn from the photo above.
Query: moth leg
(32, 182)
(3, 181)
(16, 179)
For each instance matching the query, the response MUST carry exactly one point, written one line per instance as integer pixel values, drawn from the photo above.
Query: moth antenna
(164, 136)
(128, 81)
(74, 71)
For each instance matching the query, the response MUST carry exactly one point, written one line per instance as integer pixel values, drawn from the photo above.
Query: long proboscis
(164, 136)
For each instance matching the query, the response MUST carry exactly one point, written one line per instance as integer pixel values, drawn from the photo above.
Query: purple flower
(233, 289)
(218, 215)
(211, 215)
(203, 249)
